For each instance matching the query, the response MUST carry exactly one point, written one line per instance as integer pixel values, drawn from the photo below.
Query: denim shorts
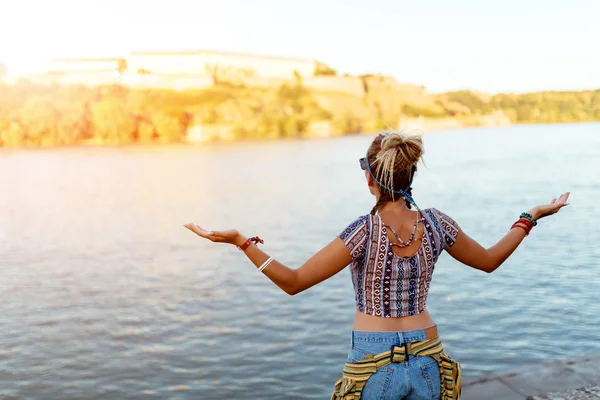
(418, 378)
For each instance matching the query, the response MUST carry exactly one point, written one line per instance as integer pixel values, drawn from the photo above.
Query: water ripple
(104, 295)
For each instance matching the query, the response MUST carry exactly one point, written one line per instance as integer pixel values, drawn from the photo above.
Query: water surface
(103, 294)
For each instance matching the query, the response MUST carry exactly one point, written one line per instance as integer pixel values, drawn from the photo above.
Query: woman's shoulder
(445, 225)
(362, 221)
(363, 225)
(435, 212)
(440, 219)
(355, 235)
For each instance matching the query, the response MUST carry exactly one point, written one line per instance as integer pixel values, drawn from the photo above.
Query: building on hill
(182, 70)
(219, 64)
(91, 65)
(88, 71)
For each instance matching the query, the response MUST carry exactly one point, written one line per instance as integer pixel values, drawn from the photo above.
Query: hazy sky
(487, 45)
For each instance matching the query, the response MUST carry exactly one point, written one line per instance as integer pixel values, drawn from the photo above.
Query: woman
(396, 352)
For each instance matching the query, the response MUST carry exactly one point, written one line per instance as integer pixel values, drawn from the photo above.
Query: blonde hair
(393, 157)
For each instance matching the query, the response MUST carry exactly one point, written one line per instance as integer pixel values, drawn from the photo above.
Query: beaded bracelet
(250, 241)
(529, 217)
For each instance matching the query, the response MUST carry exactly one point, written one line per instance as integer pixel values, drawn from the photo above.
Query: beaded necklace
(404, 194)
(401, 243)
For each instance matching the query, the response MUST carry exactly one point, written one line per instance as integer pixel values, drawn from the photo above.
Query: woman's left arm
(327, 262)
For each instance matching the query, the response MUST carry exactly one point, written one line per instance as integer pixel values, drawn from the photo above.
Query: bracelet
(265, 264)
(522, 227)
(250, 241)
(524, 224)
(524, 221)
(528, 217)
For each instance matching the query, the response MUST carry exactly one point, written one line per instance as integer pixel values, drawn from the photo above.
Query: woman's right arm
(469, 252)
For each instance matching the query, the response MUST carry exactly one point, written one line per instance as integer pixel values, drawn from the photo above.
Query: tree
(468, 99)
(167, 128)
(45, 115)
(39, 119)
(324, 70)
(145, 131)
(13, 135)
(213, 71)
(112, 123)
(121, 67)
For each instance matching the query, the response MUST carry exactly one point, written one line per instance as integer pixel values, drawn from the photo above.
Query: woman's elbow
(484, 266)
(293, 286)
(291, 290)
(491, 266)
(294, 289)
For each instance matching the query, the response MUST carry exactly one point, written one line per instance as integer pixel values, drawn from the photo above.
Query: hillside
(34, 115)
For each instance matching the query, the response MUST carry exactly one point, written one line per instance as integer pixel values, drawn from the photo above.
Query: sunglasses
(363, 163)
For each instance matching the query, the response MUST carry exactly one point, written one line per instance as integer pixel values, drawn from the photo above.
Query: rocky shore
(576, 379)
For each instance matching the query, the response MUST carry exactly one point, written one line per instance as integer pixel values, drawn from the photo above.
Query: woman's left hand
(230, 236)
(551, 208)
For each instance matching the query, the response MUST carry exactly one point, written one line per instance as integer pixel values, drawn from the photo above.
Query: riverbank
(34, 115)
(553, 380)
(586, 393)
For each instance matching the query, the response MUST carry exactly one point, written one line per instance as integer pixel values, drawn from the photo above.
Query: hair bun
(408, 148)
(392, 140)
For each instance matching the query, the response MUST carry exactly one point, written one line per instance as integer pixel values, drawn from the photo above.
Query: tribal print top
(385, 284)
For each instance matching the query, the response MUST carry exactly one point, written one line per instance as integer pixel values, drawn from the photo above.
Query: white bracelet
(265, 264)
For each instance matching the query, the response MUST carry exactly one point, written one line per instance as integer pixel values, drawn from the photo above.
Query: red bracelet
(525, 221)
(525, 228)
(252, 240)
(524, 224)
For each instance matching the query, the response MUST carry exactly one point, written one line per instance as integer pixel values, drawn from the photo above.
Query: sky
(484, 45)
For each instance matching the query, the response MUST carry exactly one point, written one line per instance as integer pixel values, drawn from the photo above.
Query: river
(103, 293)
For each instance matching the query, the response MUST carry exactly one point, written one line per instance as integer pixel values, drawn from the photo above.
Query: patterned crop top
(385, 284)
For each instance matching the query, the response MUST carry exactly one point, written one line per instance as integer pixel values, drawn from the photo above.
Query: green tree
(297, 108)
(468, 99)
(415, 111)
(324, 70)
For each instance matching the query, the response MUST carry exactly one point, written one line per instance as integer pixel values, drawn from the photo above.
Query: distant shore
(35, 115)
(427, 127)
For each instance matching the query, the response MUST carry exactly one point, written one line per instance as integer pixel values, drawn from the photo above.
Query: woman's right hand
(230, 236)
(551, 208)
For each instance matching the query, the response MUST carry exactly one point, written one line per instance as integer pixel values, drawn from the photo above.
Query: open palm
(226, 236)
(551, 208)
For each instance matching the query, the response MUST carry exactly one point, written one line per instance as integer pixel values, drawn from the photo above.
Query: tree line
(39, 115)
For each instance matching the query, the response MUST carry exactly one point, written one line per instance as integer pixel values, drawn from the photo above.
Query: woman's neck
(397, 207)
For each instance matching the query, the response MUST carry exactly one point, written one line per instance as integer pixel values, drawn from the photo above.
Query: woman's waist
(371, 323)
(378, 341)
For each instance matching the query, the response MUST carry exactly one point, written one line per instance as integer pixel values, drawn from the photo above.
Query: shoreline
(163, 144)
(550, 380)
